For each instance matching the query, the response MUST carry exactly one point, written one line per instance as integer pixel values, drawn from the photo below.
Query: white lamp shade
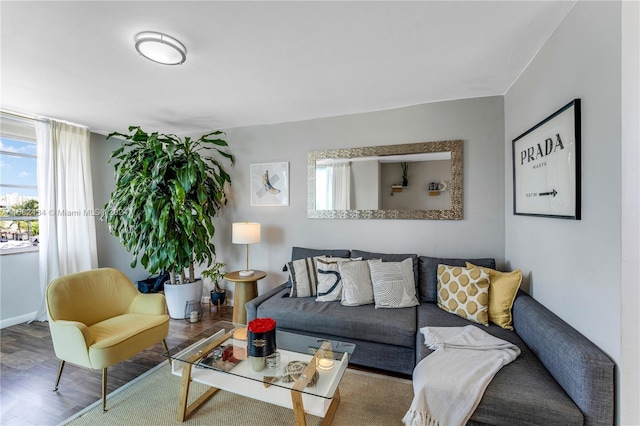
(245, 233)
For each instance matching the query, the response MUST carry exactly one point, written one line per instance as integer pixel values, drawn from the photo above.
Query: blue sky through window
(17, 169)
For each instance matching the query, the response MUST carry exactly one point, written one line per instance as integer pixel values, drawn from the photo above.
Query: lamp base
(246, 273)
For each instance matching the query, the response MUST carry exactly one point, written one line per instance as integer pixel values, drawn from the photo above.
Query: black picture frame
(546, 166)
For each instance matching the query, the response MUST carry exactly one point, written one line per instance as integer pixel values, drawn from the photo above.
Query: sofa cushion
(303, 252)
(537, 399)
(356, 283)
(390, 326)
(389, 257)
(428, 276)
(502, 293)
(584, 371)
(464, 292)
(393, 284)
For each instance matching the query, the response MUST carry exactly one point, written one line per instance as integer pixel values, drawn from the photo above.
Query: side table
(246, 288)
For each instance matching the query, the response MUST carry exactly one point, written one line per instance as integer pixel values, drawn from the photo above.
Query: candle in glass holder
(325, 364)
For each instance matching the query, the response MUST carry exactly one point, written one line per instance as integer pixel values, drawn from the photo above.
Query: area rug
(151, 399)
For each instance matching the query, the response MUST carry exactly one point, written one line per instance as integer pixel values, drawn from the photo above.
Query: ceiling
(260, 62)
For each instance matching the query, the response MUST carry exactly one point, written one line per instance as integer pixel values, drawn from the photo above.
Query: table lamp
(245, 233)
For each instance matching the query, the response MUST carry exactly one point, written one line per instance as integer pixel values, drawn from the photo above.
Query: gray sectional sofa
(560, 377)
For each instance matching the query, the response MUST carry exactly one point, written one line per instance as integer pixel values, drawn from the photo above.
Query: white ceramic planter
(177, 296)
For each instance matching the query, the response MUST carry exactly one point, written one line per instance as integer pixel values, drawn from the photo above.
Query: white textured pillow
(329, 279)
(393, 284)
(356, 283)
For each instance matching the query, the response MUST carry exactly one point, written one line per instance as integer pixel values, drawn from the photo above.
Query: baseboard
(17, 320)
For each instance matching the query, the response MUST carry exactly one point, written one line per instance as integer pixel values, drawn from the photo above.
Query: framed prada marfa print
(546, 166)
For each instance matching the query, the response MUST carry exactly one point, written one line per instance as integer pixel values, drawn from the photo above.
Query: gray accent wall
(478, 122)
(573, 267)
(110, 252)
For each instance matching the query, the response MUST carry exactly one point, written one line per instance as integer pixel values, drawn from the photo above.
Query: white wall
(573, 267)
(479, 122)
(630, 330)
(19, 288)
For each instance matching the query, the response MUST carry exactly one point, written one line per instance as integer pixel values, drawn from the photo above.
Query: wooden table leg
(298, 408)
(184, 392)
(303, 381)
(184, 410)
(244, 291)
(328, 418)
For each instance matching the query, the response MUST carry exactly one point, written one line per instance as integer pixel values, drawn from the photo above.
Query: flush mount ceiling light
(160, 48)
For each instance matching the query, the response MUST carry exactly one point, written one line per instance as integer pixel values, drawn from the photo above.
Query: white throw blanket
(449, 383)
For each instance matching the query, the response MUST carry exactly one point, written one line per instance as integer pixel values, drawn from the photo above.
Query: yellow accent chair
(99, 318)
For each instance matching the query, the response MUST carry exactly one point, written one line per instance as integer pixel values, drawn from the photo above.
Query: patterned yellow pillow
(502, 293)
(464, 292)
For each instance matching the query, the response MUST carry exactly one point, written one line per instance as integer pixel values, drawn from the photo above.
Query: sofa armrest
(578, 365)
(148, 303)
(252, 305)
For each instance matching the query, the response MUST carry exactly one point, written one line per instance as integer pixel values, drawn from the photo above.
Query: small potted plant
(216, 274)
(405, 173)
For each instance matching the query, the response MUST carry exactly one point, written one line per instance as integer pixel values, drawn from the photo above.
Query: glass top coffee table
(304, 376)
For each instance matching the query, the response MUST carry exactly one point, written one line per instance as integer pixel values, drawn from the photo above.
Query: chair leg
(104, 390)
(166, 349)
(59, 375)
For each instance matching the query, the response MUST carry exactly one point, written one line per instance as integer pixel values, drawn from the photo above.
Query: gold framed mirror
(407, 181)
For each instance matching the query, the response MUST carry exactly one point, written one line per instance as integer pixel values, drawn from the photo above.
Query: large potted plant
(168, 190)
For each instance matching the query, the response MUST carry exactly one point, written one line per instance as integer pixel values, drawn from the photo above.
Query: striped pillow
(307, 280)
(393, 284)
(304, 277)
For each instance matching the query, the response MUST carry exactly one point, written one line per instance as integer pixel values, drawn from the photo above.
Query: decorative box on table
(261, 341)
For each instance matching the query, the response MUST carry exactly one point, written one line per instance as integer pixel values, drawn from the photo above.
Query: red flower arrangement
(261, 337)
(261, 325)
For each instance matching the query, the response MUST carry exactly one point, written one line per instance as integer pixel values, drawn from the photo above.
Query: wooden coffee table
(320, 400)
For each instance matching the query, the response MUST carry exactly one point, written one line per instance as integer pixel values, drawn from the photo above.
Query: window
(324, 194)
(18, 185)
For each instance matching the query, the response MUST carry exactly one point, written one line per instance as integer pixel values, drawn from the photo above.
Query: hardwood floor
(29, 367)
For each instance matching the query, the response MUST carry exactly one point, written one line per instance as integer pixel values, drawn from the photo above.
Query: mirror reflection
(409, 181)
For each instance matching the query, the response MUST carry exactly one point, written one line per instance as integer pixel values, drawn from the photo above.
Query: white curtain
(67, 227)
(341, 186)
